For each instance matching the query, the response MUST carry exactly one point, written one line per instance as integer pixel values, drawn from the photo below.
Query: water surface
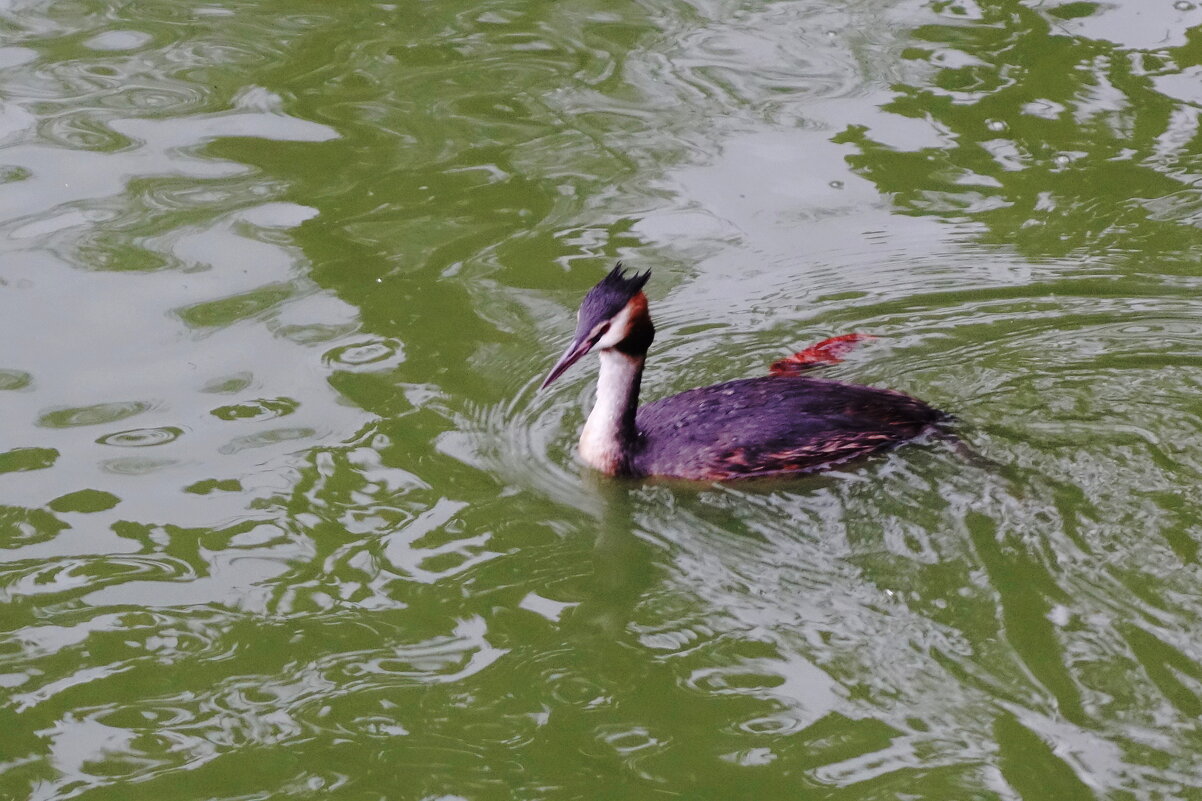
(283, 516)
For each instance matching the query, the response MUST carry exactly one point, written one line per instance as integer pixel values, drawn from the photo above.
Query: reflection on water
(283, 514)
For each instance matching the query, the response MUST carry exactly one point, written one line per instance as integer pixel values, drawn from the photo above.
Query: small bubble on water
(1062, 160)
(835, 184)
(831, 34)
(1183, 5)
(996, 125)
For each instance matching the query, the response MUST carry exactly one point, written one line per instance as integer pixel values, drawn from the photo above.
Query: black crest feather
(609, 296)
(619, 281)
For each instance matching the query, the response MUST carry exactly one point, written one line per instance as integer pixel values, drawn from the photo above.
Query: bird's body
(770, 426)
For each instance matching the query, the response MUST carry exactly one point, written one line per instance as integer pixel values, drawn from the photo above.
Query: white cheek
(619, 327)
(610, 339)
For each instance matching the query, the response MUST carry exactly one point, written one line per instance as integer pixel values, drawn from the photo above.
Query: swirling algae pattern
(283, 517)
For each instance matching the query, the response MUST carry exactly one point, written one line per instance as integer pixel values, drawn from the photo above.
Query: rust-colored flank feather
(826, 352)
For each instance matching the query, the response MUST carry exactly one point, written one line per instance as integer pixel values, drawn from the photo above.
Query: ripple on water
(265, 439)
(914, 610)
(233, 308)
(523, 438)
(315, 333)
(462, 652)
(97, 414)
(179, 98)
(68, 575)
(777, 724)
(627, 739)
(750, 757)
(372, 354)
(84, 131)
(735, 679)
(258, 409)
(678, 636)
(142, 437)
(136, 466)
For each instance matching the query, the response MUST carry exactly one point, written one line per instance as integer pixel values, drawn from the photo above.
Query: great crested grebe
(770, 426)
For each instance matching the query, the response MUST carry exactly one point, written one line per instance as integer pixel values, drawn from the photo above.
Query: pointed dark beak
(575, 351)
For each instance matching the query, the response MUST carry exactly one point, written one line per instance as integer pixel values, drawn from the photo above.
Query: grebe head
(614, 312)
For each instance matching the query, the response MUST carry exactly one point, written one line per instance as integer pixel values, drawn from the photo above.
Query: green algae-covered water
(282, 515)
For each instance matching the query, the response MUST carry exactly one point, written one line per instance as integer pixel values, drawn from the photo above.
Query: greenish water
(282, 515)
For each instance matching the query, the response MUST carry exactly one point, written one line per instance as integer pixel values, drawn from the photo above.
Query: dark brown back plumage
(772, 426)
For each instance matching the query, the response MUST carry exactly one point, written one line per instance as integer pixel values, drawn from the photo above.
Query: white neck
(610, 431)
